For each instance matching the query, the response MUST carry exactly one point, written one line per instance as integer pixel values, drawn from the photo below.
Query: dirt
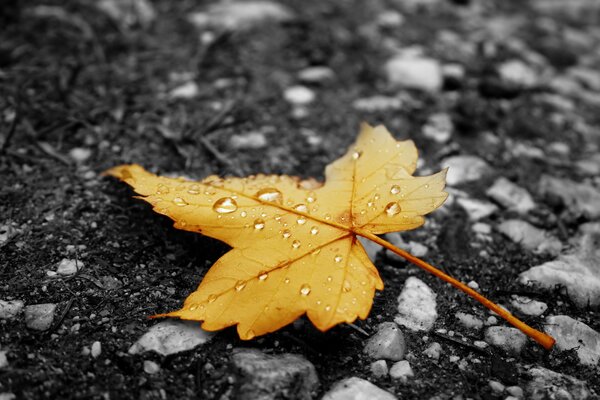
(107, 92)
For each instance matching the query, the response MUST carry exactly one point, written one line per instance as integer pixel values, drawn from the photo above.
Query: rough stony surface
(9, 309)
(259, 376)
(414, 73)
(528, 306)
(530, 237)
(547, 384)
(416, 306)
(387, 344)
(580, 198)
(171, 337)
(511, 196)
(506, 338)
(40, 316)
(572, 334)
(401, 370)
(469, 321)
(357, 389)
(240, 15)
(463, 169)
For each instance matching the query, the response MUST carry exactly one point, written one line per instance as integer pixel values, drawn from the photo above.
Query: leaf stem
(543, 339)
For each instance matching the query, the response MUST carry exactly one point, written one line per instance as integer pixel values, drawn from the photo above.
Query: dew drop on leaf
(259, 224)
(193, 307)
(162, 189)
(395, 189)
(243, 214)
(240, 285)
(347, 286)
(301, 220)
(225, 205)
(194, 189)
(301, 208)
(296, 244)
(286, 233)
(338, 258)
(392, 209)
(311, 198)
(271, 195)
(314, 230)
(262, 276)
(305, 290)
(212, 298)
(356, 155)
(178, 201)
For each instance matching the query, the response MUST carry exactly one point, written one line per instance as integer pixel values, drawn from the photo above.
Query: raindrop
(338, 258)
(376, 197)
(243, 214)
(427, 186)
(305, 290)
(259, 224)
(301, 208)
(286, 233)
(329, 278)
(311, 198)
(395, 189)
(264, 215)
(327, 217)
(301, 220)
(296, 244)
(271, 195)
(392, 209)
(194, 189)
(178, 201)
(370, 204)
(314, 230)
(356, 155)
(193, 307)
(262, 276)
(315, 252)
(225, 205)
(347, 286)
(212, 298)
(286, 280)
(240, 285)
(162, 189)
(327, 308)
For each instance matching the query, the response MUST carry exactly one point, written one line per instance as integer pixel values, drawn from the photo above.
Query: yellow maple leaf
(294, 245)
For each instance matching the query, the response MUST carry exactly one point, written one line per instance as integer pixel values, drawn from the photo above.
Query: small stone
(496, 386)
(482, 228)
(416, 306)
(379, 368)
(387, 344)
(481, 344)
(40, 316)
(508, 339)
(316, 74)
(3, 360)
(262, 376)
(401, 371)
(516, 72)
(473, 285)
(439, 128)
(67, 267)
(248, 141)
(528, 306)
(80, 154)
(299, 95)
(547, 384)
(476, 209)
(580, 198)
(530, 237)
(171, 337)
(96, 349)
(188, 90)
(515, 391)
(469, 321)
(150, 367)
(128, 12)
(240, 15)
(589, 166)
(572, 334)
(414, 73)
(355, 388)
(511, 196)
(377, 103)
(9, 309)
(434, 351)
(464, 169)
(390, 19)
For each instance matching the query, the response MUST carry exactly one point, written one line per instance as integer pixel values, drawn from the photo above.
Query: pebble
(416, 306)
(580, 198)
(3, 359)
(572, 334)
(96, 349)
(262, 376)
(68, 267)
(171, 337)
(150, 367)
(439, 128)
(476, 209)
(511, 196)
(9, 309)
(40, 316)
(434, 351)
(299, 95)
(248, 141)
(482, 228)
(516, 72)
(496, 386)
(414, 248)
(355, 388)
(530, 237)
(464, 169)
(515, 391)
(547, 384)
(377, 103)
(240, 15)
(528, 306)
(387, 344)
(508, 339)
(469, 321)
(317, 74)
(80, 154)
(128, 12)
(379, 368)
(401, 371)
(186, 91)
(414, 73)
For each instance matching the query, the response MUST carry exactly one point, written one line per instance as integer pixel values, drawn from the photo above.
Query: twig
(11, 130)
(219, 156)
(461, 343)
(63, 314)
(358, 329)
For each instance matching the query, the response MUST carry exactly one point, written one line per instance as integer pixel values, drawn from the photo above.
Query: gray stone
(476, 209)
(530, 237)
(40, 316)
(414, 73)
(379, 368)
(401, 371)
(580, 198)
(377, 103)
(250, 140)
(128, 12)
(434, 351)
(357, 389)
(469, 321)
(299, 95)
(508, 339)
(3, 359)
(528, 306)
(171, 337)
(96, 349)
(572, 334)
(464, 168)
(518, 73)
(511, 196)
(515, 391)
(387, 344)
(240, 15)
(259, 376)
(150, 367)
(9, 309)
(439, 128)
(188, 90)
(416, 306)
(549, 385)
(497, 387)
(316, 74)
(67, 267)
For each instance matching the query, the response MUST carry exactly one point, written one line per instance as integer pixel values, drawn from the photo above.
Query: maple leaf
(294, 244)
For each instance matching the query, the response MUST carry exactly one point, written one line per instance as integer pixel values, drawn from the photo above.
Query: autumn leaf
(294, 244)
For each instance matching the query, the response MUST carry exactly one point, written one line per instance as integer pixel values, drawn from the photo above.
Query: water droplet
(338, 258)
(225, 205)
(427, 186)
(262, 275)
(329, 278)
(370, 204)
(286, 280)
(311, 198)
(259, 224)
(314, 230)
(347, 286)
(212, 298)
(392, 209)
(240, 285)
(328, 308)
(305, 290)
(193, 307)
(301, 220)
(363, 212)
(162, 189)
(327, 217)
(286, 233)
(296, 244)
(178, 201)
(301, 208)
(243, 214)
(356, 155)
(315, 252)
(376, 197)
(271, 195)
(194, 189)
(395, 189)
(210, 191)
